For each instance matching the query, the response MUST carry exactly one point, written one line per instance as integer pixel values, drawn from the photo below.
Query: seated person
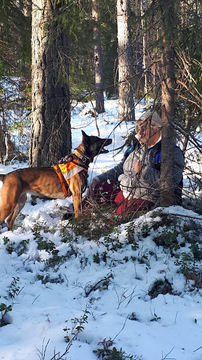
(134, 184)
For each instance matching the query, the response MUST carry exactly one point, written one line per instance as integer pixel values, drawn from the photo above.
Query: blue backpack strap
(157, 154)
(133, 146)
(130, 149)
(157, 157)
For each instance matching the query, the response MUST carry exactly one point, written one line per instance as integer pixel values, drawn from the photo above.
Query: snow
(109, 294)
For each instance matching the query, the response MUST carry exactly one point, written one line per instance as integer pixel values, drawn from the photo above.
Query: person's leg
(128, 206)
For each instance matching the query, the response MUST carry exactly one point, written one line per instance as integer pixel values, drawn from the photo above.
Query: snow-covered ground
(100, 292)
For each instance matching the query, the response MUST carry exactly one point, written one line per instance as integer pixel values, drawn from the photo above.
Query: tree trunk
(144, 59)
(2, 144)
(138, 56)
(99, 84)
(168, 138)
(184, 12)
(126, 102)
(51, 131)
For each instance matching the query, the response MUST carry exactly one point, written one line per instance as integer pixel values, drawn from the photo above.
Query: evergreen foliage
(80, 31)
(15, 68)
(15, 33)
(75, 17)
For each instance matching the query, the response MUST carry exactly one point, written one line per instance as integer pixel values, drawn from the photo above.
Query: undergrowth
(178, 237)
(107, 351)
(13, 291)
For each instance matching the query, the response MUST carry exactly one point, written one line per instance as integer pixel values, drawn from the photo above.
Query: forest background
(56, 52)
(70, 290)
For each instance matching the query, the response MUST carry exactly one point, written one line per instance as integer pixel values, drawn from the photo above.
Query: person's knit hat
(155, 118)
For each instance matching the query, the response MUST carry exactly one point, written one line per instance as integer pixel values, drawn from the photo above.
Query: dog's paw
(68, 216)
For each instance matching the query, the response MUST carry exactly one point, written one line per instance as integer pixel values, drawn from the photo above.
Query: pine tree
(15, 58)
(51, 131)
(99, 84)
(126, 102)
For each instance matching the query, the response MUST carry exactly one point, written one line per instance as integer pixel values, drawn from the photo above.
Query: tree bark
(168, 136)
(51, 131)
(144, 56)
(138, 55)
(99, 83)
(126, 103)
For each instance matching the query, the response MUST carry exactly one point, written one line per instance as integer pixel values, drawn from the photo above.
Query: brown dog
(45, 182)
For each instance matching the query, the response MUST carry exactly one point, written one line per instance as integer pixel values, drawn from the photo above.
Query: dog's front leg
(76, 187)
(77, 204)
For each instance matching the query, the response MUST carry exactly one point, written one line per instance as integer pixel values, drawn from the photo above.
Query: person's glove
(93, 185)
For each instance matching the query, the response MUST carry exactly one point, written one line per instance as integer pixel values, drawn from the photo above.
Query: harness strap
(83, 166)
(66, 171)
(64, 183)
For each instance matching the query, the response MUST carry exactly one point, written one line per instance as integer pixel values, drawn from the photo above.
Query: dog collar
(82, 157)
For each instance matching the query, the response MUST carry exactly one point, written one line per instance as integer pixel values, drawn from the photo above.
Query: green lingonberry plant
(4, 309)
(107, 352)
(77, 327)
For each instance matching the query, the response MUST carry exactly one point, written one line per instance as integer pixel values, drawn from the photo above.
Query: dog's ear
(84, 137)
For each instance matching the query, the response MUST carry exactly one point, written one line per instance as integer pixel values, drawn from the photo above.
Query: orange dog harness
(66, 170)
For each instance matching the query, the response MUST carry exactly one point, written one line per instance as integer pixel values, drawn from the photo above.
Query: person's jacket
(146, 184)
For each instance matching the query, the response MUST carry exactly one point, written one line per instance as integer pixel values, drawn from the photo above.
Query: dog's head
(94, 145)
